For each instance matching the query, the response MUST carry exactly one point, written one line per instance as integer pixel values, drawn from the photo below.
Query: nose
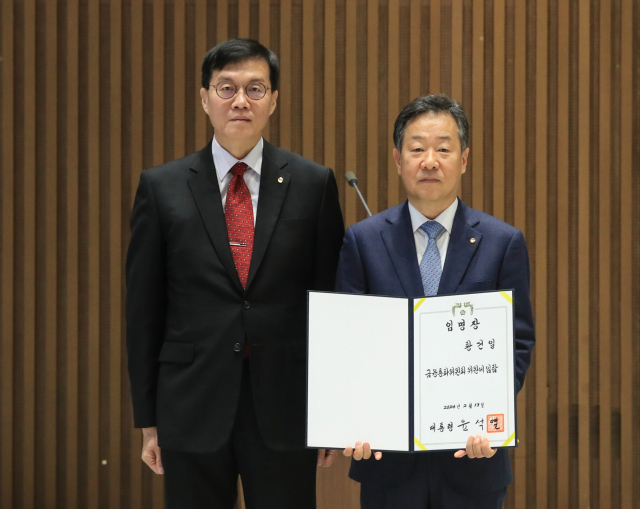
(430, 159)
(240, 100)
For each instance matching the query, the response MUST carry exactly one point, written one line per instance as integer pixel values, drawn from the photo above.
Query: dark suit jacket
(379, 257)
(188, 316)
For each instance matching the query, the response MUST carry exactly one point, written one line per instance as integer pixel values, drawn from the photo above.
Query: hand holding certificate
(477, 447)
(430, 374)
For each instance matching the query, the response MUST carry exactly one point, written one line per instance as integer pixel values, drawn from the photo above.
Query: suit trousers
(271, 479)
(426, 489)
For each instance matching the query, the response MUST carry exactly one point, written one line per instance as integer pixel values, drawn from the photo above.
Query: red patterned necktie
(239, 215)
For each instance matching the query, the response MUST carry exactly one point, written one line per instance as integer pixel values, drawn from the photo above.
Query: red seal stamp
(495, 423)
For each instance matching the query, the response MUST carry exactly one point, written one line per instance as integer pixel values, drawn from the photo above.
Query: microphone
(353, 182)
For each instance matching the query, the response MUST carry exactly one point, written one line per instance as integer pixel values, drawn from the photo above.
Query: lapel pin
(280, 180)
(472, 240)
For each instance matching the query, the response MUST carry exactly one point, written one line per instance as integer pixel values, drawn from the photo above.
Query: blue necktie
(430, 267)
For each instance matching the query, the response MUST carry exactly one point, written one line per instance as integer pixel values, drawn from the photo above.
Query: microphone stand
(353, 182)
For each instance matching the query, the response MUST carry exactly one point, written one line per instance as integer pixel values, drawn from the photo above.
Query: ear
(274, 100)
(397, 157)
(204, 95)
(465, 158)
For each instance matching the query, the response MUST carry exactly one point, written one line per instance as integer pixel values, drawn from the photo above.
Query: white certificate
(410, 374)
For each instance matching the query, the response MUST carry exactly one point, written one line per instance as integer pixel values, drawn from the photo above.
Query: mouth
(240, 119)
(429, 181)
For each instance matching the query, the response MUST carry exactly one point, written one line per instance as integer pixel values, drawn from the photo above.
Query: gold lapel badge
(472, 240)
(280, 180)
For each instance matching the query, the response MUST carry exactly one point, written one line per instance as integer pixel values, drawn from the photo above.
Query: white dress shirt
(224, 161)
(420, 236)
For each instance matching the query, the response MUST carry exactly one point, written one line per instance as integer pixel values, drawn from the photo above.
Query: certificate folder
(410, 374)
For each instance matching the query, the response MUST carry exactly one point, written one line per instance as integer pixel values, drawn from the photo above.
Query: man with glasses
(224, 245)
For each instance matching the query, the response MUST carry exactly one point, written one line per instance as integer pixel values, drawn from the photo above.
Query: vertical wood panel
(614, 238)
(573, 167)
(563, 281)
(393, 93)
(179, 85)
(222, 21)
(415, 50)
(626, 168)
(446, 57)
(318, 84)
(201, 47)
(456, 51)
(362, 112)
(158, 83)
(635, 234)
(285, 76)
(265, 39)
(350, 113)
(518, 214)
(27, 430)
(244, 15)
(335, 489)
(434, 48)
(541, 248)
(594, 253)
(340, 102)
(520, 98)
(530, 204)
(135, 495)
(308, 79)
(72, 198)
(51, 282)
(604, 197)
(330, 85)
(115, 256)
(498, 108)
(455, 35)
(296, 69)
(583, 257)
(372, 105)
(465, 96)
(6, 260)
(475, 178)
(93, 254)
(552, 358)
(487, 107)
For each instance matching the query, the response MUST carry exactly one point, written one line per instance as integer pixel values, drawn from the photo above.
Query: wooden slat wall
(93, 92)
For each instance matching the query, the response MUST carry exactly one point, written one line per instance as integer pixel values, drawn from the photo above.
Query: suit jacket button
(237, 347)
(246, 304)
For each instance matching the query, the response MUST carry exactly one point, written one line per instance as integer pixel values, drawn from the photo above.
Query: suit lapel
(400, 244)
(271, 197)
(206, 193)
(460, 250)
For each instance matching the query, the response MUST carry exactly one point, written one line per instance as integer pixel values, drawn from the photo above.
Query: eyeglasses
(226, 90)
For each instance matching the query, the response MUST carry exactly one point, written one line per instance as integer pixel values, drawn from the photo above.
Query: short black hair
(238, 50)
(433, 104)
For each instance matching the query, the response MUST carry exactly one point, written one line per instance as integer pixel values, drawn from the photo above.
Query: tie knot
(432, 229)
(238, 169)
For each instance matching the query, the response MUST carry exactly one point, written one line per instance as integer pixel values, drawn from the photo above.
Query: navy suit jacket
(379, 257)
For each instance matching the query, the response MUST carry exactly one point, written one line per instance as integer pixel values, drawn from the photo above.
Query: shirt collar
(224, 161)
(445, 218)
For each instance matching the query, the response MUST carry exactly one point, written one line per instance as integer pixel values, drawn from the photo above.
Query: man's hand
(477, 447)
(361, 451)
(326, 457)
(150, 449)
